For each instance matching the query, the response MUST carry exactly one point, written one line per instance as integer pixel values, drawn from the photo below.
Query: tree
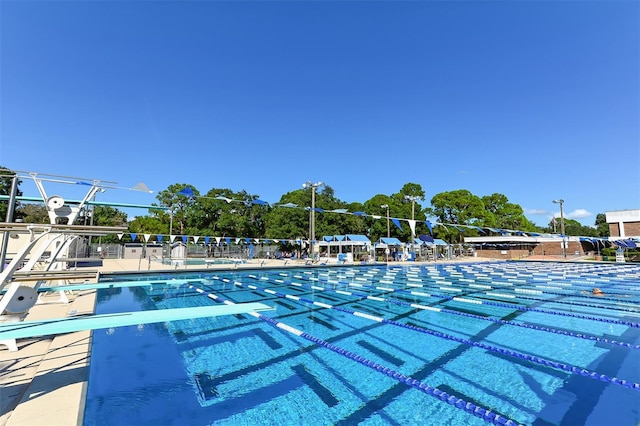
(458, 207)
(378, 228)
(330, 223)
(505, 215)
(288, 218)
(109, 216)
(406, 205)
(147, 225)
(602, 227)
(33, 213)
(6, 180)
(178, 198)
(222, 212)
(571, 227)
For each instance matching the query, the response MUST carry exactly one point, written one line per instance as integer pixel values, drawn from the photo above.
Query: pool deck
(44, 382)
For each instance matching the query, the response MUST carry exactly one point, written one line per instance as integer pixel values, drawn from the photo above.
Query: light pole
(386, 206)
(413, 200)
(312, 213)
(170, 223)
(92, 213)
(561, 202)
(170, 230)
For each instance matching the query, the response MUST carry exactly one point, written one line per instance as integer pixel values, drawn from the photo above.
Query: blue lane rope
(503, 305)
(463, 285)
(474, 409)
(468, 315)
(532, 278)
(527, 309)
(468, 278)
(589, 305)
(531, 358)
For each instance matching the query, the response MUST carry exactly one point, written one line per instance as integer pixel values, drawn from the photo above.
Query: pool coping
(44, 382)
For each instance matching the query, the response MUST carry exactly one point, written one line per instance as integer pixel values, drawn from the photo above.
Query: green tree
(109, 216)
(290, 217)
(406, 205)
(354, 224)
(6, 180)
(571, 227)
(179, 198)
(602, 227)
(505, 215)
(33, 213)
(374, 206)
(147, 225)
(222, 212)
(330, 223)
(395, 206)
(459, 207)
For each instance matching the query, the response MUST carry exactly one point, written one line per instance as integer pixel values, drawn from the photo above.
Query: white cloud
(579, 214)
(535, 212)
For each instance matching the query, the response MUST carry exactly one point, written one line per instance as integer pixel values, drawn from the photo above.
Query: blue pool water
(207, 261)
(376, 345)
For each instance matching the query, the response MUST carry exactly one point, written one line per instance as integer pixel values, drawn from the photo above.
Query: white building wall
(621, 217)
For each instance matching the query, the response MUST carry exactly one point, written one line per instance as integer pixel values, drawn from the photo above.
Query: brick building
(623, 223)
(521, 246)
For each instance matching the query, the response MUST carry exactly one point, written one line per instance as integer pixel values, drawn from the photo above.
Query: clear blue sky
(536, 100)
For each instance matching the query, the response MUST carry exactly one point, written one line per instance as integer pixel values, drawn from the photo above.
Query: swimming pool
(436, 344)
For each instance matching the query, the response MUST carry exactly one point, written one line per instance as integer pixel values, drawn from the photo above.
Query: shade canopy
(390, 241)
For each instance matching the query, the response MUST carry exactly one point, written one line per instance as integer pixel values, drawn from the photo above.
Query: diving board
(27, 329)
(54, 275)
(116, 284)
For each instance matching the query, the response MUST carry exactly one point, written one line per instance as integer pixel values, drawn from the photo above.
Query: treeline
(225, 213)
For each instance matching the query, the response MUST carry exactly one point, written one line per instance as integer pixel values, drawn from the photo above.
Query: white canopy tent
(347, 247)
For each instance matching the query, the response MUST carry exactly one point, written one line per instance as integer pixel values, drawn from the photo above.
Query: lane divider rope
(468, 315)
(474, 409)
(532, 358)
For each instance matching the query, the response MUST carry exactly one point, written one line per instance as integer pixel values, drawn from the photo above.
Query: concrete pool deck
(44, 382)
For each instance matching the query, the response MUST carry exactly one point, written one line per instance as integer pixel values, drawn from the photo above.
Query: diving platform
(61, 229)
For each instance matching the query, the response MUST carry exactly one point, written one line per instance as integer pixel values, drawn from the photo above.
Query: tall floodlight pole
(413, 200)
(312, 214)
(386, 206)
(561, 202)
(92, 214)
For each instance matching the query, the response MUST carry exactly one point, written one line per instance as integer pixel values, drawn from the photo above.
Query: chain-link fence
(81, 249)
